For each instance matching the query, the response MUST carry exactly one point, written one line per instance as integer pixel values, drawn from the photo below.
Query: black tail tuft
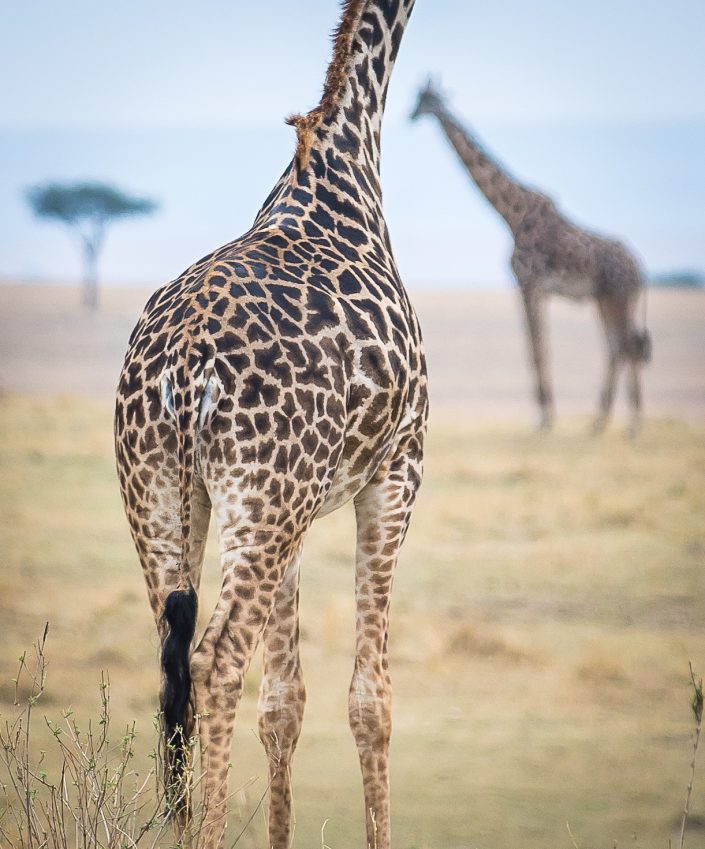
(640, 346)
(180, 611)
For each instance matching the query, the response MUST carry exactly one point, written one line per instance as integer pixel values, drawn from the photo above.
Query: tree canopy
(86, 208)
(73, 203)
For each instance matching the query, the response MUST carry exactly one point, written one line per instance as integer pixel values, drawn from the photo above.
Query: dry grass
(546, 605)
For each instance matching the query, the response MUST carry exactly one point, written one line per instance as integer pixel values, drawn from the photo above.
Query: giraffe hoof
(633, 431)
(597, 428)
(544, 424)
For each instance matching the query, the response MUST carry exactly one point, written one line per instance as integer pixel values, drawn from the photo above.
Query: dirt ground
(474, 341)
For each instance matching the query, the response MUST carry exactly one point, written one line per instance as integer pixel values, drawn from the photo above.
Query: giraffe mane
(336, 75)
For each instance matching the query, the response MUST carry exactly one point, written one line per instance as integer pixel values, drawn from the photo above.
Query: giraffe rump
(335, 81)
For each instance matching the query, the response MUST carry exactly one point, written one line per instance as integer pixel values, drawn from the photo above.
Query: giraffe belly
(341, 491)
(576, 287)
(358, 467)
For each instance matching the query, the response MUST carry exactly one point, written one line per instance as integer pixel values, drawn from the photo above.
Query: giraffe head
(429, 101)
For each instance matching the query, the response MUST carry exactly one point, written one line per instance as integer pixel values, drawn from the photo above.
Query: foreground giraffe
(275, 380)
(554, 256)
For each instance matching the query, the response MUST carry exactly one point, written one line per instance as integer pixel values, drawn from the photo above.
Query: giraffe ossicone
(274, 380)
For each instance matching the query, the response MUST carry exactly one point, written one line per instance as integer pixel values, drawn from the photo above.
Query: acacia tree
(87, 209)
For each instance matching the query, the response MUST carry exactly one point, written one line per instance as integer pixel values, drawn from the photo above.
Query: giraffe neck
(348, 119)
(510, 198)
(334, 175)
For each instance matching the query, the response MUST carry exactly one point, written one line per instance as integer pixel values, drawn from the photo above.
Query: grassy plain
(546, 605)
(547, 602)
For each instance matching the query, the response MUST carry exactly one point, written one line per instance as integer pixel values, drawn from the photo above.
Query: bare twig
(324, 845)
(697, 707)
(570, 834)
(96, 801)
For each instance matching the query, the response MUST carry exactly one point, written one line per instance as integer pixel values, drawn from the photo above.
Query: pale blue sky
(602, 104)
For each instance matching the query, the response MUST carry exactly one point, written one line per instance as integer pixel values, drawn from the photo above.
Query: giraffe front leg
(281, 701)
(534, 310)
(251, 577)
(383, 510)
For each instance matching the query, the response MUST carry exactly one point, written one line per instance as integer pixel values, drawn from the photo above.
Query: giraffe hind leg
(639, 355)
(635, 398)
(614, 315)
(607, 393)
(281, 701)
(383, 510)
(157, 538)
(253, 566)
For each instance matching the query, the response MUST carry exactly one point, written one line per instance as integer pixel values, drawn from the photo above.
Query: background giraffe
(273, 381)
(553, 256)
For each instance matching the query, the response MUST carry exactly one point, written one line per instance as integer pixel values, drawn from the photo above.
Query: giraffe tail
(180, 613)
(186, 391)
(639, 341)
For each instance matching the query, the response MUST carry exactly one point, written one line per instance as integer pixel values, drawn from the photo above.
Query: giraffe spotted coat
(553, 256)
(273, 381)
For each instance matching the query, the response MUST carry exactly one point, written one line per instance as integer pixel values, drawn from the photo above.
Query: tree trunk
(91, 246)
